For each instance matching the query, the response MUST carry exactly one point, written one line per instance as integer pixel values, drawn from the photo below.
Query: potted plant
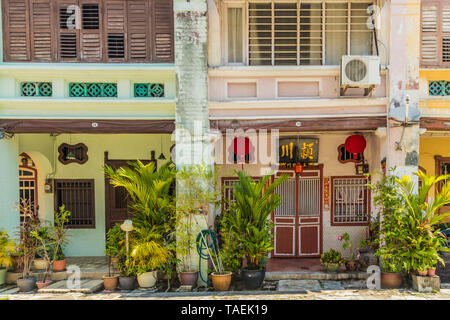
(60, 238)
(148, 255)
(351, 262)
(331, 260)
(115, 238)
(110, 282)
(248, 222)
(28, 245)
(127, 278)
(42, 234)
(7, 247)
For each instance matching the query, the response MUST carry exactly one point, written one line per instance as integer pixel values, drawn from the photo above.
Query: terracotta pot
(253, 279)
(221, 282)
(110, 283)
(27, 284)
(422, 273)
(189, 278)
(351, 265)
(2, 276)
(40, 264)
(432, 272)
(42, 284)
(147, 279)
(391, 280)
(59, 265)
(127, 283)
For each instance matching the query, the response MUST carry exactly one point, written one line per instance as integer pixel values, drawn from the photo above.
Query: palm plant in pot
(148, 255)
(331, 260)
(60, 236)
(7, 247)
(28, 245)
(248, 221)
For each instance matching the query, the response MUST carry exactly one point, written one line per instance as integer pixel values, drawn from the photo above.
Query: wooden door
(442, 168)
(298, 221)
(116, 198)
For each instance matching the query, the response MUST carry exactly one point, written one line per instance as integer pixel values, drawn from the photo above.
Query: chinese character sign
(298, 150)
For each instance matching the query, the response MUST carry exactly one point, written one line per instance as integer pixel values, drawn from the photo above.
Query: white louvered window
(435, 46)
(307, 32)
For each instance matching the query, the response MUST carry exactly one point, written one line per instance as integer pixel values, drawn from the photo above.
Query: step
(314, 275)
(86, 286)
(11, 277)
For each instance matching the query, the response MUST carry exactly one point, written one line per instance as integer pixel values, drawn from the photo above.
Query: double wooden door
(298, 221)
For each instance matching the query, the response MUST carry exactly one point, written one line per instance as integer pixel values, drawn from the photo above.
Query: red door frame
(291, 172)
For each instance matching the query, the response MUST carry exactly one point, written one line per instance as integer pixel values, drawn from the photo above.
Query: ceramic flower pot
(432, 272)
(422, 273)
(59, 265)
(331, 267)
(147, 279)
(221, 282)
(189, 278)
(40, 264)
(253, 279)
(127, 283)
(110, 283)
(27, 284)
(351, 265)
(391, 280)
(41, 284)
(2, 276)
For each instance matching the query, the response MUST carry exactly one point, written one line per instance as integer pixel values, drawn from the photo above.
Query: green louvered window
(36, 89)
(439, 88)
(145, 90)
(92, 90)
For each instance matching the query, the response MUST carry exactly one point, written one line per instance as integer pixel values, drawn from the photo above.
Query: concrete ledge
(11, 277)
(426, 284)
(315, 275)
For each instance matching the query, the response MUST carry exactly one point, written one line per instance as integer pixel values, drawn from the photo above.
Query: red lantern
(298, 168)
(355, 144)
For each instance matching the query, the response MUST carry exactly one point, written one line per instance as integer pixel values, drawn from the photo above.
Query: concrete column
(9, 184)
(192, 93)
(404, 57)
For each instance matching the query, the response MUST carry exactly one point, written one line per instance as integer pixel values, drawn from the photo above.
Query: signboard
(296, 150)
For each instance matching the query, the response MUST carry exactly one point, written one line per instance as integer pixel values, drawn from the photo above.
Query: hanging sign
(295, 150)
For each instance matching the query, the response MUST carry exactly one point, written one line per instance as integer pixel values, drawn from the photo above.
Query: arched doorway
(28, 185)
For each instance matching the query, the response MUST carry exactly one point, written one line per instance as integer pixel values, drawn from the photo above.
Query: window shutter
(91, 27)
(163, 30)
(42, 31)
(115, 29)
(138, 14)
(16, 35)
(445, 11)
(68, 38)
(430, 51)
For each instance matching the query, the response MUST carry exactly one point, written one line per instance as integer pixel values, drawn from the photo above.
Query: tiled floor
(89, 263)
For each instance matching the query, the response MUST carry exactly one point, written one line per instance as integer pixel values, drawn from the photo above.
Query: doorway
(298, 221)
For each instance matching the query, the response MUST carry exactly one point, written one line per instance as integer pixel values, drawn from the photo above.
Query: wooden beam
(435, 124)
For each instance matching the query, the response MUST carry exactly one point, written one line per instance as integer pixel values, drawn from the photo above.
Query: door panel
(284, 218)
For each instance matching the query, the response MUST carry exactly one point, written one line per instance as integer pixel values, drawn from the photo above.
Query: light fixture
(161, 156)
(127, 226)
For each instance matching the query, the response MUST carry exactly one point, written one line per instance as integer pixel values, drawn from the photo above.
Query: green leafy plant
(347, 245)
(247, 219)
(115, 242)
(331, 257)
(7, 247)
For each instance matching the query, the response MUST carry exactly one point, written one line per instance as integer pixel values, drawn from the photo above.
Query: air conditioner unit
(360, 71)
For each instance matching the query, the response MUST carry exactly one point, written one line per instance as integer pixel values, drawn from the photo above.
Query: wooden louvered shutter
(138, 17)
(115, 30)
(163, 31)
(91, 38)
(16, 30)
(430, 34)
(42, 30)
(67, 38)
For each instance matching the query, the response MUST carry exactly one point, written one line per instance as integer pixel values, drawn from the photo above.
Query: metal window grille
(228, 191)
(297, 33)
(351, 201)
(78, 197)
(309, 197)
(36, 89)
(27, 188)
(286, 191)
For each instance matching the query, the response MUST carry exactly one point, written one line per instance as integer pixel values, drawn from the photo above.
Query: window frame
(367, 204)
(244, 4)
(92, 225)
